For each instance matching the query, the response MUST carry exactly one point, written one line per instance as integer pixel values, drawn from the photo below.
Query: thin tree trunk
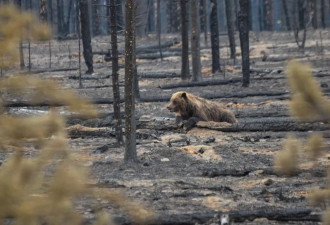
(185, 41)
(130, 124)
(120, 17)
(269, 14)
(115, 68)
(43, 10)
(313, 6)
(86, 35)
(204, 20)
(323, 13)
(230, 28)
(79, 42)
(21, 53)
(141, 17)
(159, 29)
(243, 19)
(96, 17)
(195, 42)
(67, 23)
(60, 18)
(215, 37)
(286, 15)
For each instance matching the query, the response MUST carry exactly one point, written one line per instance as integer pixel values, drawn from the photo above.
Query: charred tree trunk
(120, 17)
(185, 41)
(204, 19)
(60, 18)
(86, 35)
(215, 37)
(323, 13)
(286, 15)
(130, 123)
(313, 7)
(243, 19)
(21, 53)
(269, 14)
(159, 29)
(195, 42)
(302, 24)
(141, 17)
(230, 28)
(115, 68)
(96, 17)
(43, 10)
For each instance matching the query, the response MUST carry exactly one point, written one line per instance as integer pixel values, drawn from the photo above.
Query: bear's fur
(189, 106)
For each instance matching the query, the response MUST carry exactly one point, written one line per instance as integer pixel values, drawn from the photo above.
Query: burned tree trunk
(115, 68)
(323, 8)
(286, 15)
(269, 14)
(185, 41)
(230, 28)
(204, 19)
(302, 24)
(130, 123)
(195, 42)
(313, 6)
(141, 17)
(21, 53)
(215, 37)
(43, 10)
(96, 17)
(243, 20)
(159, 29)
(86, 35)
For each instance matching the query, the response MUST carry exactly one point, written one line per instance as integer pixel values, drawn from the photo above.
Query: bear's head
(178, 102)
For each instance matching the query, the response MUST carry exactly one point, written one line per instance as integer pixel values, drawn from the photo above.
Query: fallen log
(89, 77)
(48, 70)
(264, 124)
(156, 46)
(157, 55)
(158, 75)
(298, 214)
(77, 131)
(201, 83)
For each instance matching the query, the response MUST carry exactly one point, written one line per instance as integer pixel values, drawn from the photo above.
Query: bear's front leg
(190, 123)
(179, 121)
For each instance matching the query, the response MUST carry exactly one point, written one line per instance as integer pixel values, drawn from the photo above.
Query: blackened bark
(21, 53)
(214, 27)
(141, 17)
(60, 17)
(195, 42)
(230, 28)
(301, 13)
(243, 20)
(302, 24)
(269, 14)
(120, 17)
(115, 68)
(86, 35)
(313, 6)
(43, 10)
(96, 17)
(185, 41)
(67, 22)
(286, 15)
(159, 29)
(323, 8)
(130, 124)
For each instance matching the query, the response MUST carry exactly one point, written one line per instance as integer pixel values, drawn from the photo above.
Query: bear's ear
(184, 95)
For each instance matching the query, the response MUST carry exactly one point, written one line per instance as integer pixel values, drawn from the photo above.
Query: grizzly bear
(191, 108)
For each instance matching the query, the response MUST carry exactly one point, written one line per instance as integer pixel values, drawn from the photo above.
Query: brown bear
(191, 108)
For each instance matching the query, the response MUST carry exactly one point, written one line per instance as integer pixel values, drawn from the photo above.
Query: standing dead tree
(214, 27)
(115, 68)
(286, 15)
(159, 29)
(230, 28)
(302, 8)
(86, 35)
(21, 53)
(195, 42)
(185, 41)
(130, 123)
(243, 25)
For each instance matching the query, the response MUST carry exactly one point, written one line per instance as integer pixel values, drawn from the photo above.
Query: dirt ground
(178, 172)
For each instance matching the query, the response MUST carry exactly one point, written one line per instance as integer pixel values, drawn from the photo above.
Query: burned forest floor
(191, 177)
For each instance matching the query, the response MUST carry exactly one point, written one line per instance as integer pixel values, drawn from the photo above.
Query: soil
(200, 172)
